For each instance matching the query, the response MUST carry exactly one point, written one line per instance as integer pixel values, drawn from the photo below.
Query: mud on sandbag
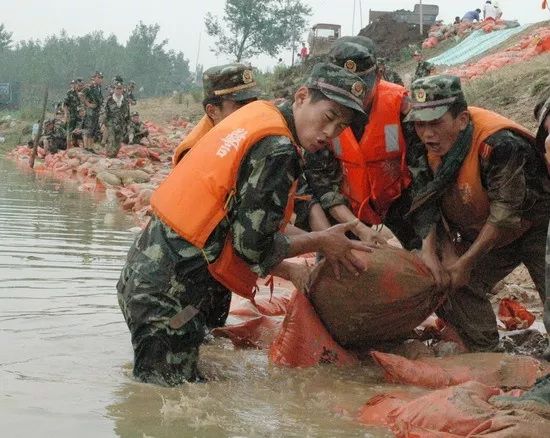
(385, 303)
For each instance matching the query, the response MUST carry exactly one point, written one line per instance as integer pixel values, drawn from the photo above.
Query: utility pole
(353, 20)
(361, 14)
(421, 19)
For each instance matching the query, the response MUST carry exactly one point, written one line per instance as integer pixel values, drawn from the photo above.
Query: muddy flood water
(65, 357)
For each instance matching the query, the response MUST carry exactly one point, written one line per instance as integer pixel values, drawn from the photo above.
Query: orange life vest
(193, 199)
(375, 170)
(465, 204)
(205, 124)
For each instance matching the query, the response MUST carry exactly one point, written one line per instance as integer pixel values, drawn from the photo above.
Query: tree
(5, 38)
(251, 27)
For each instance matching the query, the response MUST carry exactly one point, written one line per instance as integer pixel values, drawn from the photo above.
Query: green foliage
(5, 38)
(60, 58)
(251, 27)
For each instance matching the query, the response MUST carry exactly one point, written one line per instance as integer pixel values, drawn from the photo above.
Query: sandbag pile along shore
(133, 175)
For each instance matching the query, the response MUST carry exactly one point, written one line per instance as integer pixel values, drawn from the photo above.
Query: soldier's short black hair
(458, 107)
(213, 100)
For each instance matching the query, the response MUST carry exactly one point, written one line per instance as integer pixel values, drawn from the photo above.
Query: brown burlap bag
(383, 304)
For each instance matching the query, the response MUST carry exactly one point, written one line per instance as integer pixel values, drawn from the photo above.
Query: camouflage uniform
(323, 171)
(72, 102)
(116, 119)
(136, 131)
(517, 186)
(165, 291)
(130, 93)
(94, 95)
(423, 69)
(389, 74)
(56, 135)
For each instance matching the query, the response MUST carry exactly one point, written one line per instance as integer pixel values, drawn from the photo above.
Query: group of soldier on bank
(467, 188)
(86, 117)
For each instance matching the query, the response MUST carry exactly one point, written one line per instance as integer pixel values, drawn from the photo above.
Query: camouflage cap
(231, 81)
(97, 73)
(135, 113)
(432, 97)
(338, 84)
(358, 55)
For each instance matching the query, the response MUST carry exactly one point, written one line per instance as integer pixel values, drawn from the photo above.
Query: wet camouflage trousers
(116, 133)
(168, 317)
(91, 123)
(469, 309)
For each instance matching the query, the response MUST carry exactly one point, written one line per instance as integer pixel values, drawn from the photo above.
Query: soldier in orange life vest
(369, 179)
(220, 221)
(481, 204)
(226, 88)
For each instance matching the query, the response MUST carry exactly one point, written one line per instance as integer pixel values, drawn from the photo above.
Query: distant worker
(498, 10)
(54, 138)
(137, 131)
(129, 92)
(73, 100)
(93, 100)
(304, 54)
(423, 68)
(116, 118)
(471, 16)
(76, 135)
(489, 11)
(226, 89)
(457, 20)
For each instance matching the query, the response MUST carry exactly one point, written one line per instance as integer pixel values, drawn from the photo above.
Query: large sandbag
(495, 369)
(385, 303)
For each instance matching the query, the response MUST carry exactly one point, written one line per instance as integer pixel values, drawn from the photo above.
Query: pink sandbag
(457, 410)
(304, 341)
(259, 324)
(495, 369)
(377, 409)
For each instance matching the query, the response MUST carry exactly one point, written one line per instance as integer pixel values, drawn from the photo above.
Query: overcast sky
(182, 21)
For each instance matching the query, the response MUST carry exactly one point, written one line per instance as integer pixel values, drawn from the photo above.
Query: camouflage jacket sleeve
(265, 178)
(324, 176)
(512, 178)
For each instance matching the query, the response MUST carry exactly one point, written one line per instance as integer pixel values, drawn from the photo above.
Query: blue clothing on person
(471, 16)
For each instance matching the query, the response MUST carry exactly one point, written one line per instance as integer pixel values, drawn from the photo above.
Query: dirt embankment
(392, 37)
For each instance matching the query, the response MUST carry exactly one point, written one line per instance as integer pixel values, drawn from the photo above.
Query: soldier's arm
(324, 176)
(265, 179)
(504, 175)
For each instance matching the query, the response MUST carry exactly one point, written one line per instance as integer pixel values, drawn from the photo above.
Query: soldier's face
(218, 113)
(318, 122)
(440, 135)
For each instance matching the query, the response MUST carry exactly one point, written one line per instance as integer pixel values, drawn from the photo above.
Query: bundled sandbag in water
(495, 369)
(394, 294)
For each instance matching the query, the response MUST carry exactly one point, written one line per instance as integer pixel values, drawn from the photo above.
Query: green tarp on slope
(475, 44)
